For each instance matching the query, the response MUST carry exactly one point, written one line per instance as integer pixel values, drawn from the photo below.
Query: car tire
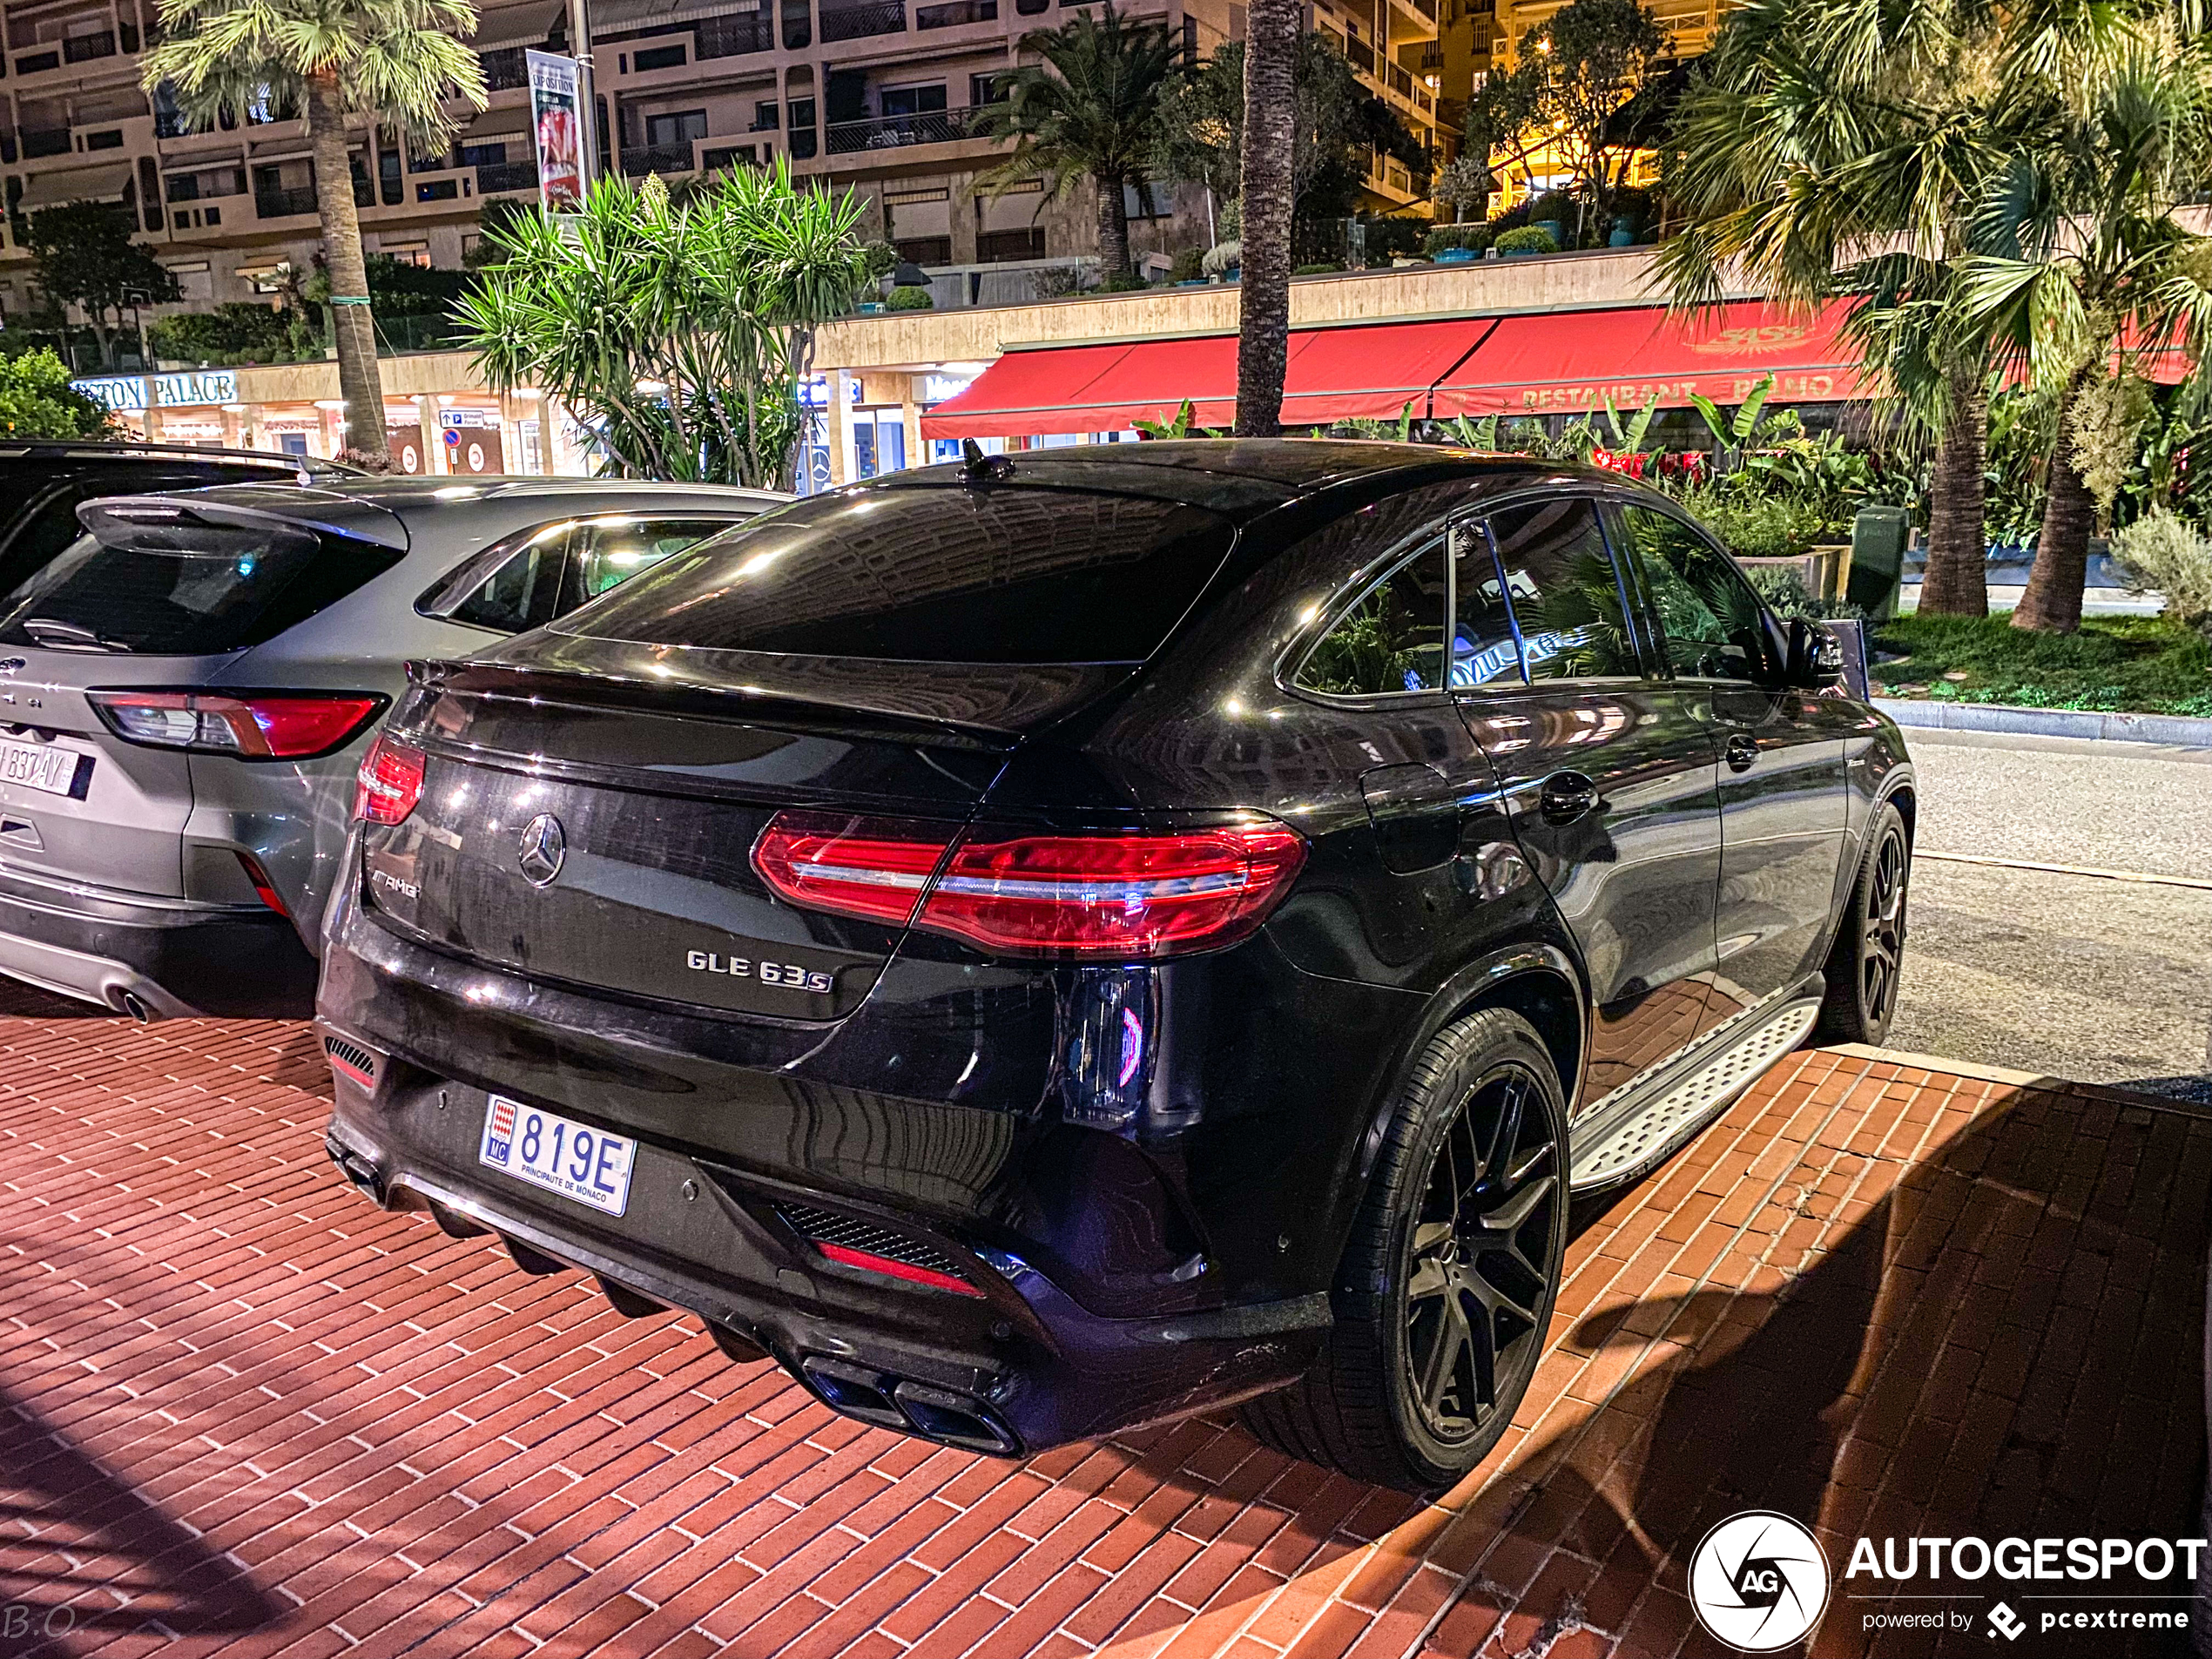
(1869, 951)
(1446, 1285)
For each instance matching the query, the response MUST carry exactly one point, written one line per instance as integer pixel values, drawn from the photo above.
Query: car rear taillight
(257, 725)
(1122, 897)
(389, 781)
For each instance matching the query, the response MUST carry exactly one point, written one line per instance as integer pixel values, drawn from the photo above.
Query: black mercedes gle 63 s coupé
(1053, 943)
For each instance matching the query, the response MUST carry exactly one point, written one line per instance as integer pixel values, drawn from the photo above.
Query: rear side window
(606, 552)
(989, 574)
(535, 575)
(1391, 640)
(185, 588)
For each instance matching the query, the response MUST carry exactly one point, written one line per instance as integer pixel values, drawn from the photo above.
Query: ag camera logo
(1759, 1582)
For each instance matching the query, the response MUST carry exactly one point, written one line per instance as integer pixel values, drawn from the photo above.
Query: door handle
(1743, 752)
(1566, 796)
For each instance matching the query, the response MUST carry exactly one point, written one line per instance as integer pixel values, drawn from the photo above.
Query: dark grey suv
(185, 693)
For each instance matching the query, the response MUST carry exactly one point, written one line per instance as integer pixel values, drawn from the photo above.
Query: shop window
(925, 250)
(995, 247)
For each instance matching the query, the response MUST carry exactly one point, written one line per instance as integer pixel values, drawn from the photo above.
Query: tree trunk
(352, 326)
(1264, 320)
(2051, 603)
(1958, 577)
(1113, 227)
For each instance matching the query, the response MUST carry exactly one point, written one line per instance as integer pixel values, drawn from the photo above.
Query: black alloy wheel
(1881, 951)
(1868, 958)
(1445, 1291)
(1480, 1258)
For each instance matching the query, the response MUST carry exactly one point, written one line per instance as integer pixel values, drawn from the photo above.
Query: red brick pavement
(242, 1412)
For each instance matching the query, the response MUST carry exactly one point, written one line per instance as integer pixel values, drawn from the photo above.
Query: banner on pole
(557, 122)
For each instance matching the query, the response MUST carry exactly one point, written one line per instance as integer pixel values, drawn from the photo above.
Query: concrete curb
(2180, 730)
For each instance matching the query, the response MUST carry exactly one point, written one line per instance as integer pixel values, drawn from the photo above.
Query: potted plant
(1529, 238)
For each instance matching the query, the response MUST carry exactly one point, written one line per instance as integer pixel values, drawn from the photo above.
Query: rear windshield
(186, 589)
(991, 574)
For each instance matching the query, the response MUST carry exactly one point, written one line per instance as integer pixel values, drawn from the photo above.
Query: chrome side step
(1640, 1139)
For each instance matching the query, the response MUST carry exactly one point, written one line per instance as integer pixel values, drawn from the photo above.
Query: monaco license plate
(548, 1150)
(41, 766)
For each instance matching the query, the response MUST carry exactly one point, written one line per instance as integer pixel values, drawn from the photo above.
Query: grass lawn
(2118, 664)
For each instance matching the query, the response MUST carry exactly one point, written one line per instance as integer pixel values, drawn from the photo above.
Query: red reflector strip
(340, 1063)
(262, 885)
(845, 1256)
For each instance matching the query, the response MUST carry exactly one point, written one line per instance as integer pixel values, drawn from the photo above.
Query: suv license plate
(548, 1150)
(41, 766)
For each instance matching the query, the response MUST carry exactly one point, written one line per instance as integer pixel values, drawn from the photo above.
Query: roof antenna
(980, 469)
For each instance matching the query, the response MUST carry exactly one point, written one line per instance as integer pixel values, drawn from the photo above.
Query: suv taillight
(256, 726)
(389, 782)
(1111, 896)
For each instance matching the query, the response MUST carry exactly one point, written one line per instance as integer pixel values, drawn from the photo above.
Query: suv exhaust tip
(128, 1003)
(911, 1407)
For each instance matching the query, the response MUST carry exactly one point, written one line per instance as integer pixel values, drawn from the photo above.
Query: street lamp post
(579, 15)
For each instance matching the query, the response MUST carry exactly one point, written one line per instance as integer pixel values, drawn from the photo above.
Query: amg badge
(785, 973)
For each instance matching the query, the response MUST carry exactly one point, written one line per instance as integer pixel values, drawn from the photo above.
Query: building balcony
(897, 132)
(850, 22)
(732, 35)
(82, 49)
(639, 159)
(505, 69)
(284, 202)
(501, 178)
(955, 12)
(43, 141)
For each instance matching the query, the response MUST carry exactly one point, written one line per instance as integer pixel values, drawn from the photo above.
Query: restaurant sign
(128, 394)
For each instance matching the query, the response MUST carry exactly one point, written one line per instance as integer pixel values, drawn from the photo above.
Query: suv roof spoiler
(100, 450)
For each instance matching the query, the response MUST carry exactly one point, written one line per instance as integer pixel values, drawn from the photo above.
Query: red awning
(1567, 362)
(1371, 370)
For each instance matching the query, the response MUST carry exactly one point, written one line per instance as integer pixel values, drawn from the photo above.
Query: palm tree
(390, 61)
(1267, 170)
(1833, 149)
(677, 330)
(2086, 273)
(1089, 110)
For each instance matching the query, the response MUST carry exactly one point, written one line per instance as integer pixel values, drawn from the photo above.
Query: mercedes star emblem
(544, 846)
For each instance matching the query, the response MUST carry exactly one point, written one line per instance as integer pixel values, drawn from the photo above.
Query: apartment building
(876, 95)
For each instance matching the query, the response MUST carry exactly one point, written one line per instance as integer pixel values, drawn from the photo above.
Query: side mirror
(1815, 656)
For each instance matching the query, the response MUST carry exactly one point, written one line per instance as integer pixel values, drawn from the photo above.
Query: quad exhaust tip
(911, 1407)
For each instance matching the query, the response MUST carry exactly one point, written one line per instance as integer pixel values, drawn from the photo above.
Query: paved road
(2079, 976)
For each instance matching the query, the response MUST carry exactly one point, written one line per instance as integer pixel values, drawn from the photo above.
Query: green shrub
(2162, 552)
(1123, 284)
(1190, 266)
(1395, 235)
(1320, 267)
(237, 332)
(1764, 526)
(399, 289)
(878, 260)
(1786, 597)
(1476, 237)
(1529, 238)
(910, 300)
(37, 400)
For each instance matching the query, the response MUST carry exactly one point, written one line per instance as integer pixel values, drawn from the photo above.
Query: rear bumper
(171, 956)
(1016, 1367)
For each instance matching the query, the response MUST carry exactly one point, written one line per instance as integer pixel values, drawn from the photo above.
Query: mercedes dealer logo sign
(1759, 1582)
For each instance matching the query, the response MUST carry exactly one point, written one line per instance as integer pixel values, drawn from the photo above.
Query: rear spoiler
(145, 521)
